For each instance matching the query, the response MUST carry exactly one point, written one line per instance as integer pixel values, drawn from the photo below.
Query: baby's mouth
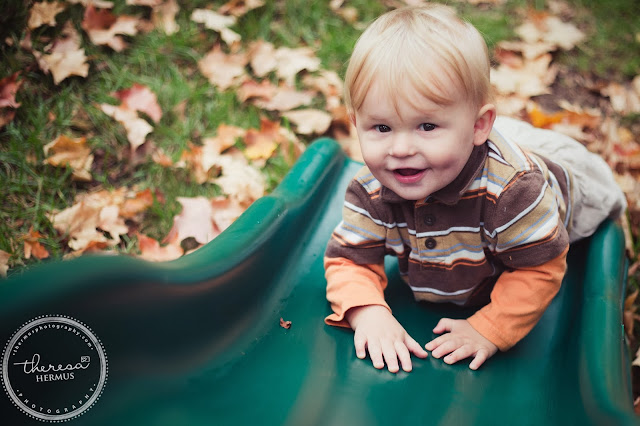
(407, 172)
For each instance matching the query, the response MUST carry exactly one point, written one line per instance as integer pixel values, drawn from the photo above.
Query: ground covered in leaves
(146, 127)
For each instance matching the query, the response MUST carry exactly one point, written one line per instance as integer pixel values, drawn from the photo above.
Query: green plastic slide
(199, 341)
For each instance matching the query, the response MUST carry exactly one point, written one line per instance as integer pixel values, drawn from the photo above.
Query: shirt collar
(451, 193)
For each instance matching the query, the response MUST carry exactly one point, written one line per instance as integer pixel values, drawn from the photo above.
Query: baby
(477, 214)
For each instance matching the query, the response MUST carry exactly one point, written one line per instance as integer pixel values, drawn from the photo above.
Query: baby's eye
(427, 127)
(382, 128)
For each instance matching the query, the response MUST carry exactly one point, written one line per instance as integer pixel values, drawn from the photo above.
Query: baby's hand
(460, 341)
(378, 331)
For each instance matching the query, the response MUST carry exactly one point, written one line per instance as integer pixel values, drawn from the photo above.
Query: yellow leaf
(4, 263)
(44, 14)
(65, 151)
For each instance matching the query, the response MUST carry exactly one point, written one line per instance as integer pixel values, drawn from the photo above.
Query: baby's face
(418, 147)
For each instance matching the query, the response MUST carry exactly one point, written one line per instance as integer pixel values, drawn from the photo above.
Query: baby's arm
(356, 294)
(378, 332)
(518, 300)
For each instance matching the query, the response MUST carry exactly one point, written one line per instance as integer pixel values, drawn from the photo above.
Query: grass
(168, 65)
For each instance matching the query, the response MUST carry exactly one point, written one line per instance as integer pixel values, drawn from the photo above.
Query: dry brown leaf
(533, 78)
(65, 57)
(151, 250)
(164, 16)
(239, 8)
(32, 245)
(625, 98)
(104, 28)
(285, 99)
(292, 61)
(309, 121)
(629, 312)
(152, 3)
(285, 324)
(217, 22)
(262, 57)
(73, 152)
(9, 86)
(140, 202)
(136, 127)
(102, 4)
(225, 210)
(44, 14)
(550, 29)
(529, 50)
(140, 98)
(228, 135)
(93, 220)
(251, 89)
(222, 70)
(240, 180)
(4, 263)
(195, 220)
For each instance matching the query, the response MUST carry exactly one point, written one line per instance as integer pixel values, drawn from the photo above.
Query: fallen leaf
(250, 89)
(104, 28)
(239, 8)
(309, 121)
(83, 222)
(285, 324)
(285, 99)
(625, 98)
(136, 127)
(139, 203)
(550, 29)
(262, 57)
(140, 98)
(222, 70)
(164, 16)
(533, 78)
(152, 3)
(240, 180)
(225, 210)
(217, 22)
(195, 220)
(9, 87)
(4, 263)
(151, 250)
(292, 61)
(72, 152)
(32, 245)
(628, 313)
(44, 14)
(65, 57)
(102, 4)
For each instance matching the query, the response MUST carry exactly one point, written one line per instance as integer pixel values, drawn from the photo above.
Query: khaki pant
(596, 194)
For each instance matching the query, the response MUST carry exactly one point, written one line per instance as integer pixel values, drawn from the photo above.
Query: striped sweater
(507, 210)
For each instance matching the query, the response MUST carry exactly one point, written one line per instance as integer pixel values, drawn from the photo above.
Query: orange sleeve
(350, 285)
(518, 300)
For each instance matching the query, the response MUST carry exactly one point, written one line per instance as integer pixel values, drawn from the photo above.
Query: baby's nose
(402, 147)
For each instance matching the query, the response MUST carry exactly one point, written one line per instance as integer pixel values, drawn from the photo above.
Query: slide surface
(198, 341)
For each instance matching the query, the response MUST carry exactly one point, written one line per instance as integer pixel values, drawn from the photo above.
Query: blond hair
(427, 46)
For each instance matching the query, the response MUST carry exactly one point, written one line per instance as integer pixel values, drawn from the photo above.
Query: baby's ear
(484, 123)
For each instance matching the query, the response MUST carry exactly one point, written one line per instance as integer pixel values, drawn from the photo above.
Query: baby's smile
(407, 175)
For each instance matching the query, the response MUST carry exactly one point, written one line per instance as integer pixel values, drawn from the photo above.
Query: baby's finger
(444, 325)
(403, 355)
(446, 348)
(461, 353)
(480, 358)
(360, 343)
(432, 345)
(375, 352)
(415, 347)
(390, 356)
